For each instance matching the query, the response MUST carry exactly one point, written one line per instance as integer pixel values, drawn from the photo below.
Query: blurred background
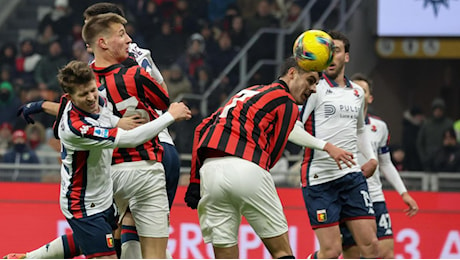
(207, 50)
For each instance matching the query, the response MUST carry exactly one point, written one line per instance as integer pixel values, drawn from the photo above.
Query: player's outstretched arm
(145, 132)
(36, 107)
(301, 137)
(392, 175)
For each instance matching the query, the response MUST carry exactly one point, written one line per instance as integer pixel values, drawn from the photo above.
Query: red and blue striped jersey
(87, 141)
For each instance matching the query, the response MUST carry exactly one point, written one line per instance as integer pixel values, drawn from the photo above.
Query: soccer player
(335, 114)
(378, 134)
(236, 147)
(87, 134)
(131, 90)
(170, 160)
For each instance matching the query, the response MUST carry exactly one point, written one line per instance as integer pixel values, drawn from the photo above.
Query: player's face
(367, 94)
(303, 85)
(118, 42)
(338, 63)
(85, 97)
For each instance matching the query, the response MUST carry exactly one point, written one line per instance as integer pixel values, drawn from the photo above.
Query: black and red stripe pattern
(254, 125)
(127, 85)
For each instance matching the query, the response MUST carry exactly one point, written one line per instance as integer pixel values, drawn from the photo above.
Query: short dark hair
(336, 35)
(102, 8)
(75, 74)
(362, 77)
(287, 64)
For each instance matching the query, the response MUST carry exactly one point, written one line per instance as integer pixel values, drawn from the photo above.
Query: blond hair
(100, 25)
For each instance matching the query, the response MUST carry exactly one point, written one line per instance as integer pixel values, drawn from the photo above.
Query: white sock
(52, 250)
(131, 250)
(168, 254)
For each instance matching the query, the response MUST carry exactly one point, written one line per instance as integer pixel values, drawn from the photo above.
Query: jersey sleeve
(385, 141)
(81, 135)
(155, 95)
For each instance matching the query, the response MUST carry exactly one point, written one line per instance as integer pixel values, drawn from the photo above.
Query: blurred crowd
(192, 41)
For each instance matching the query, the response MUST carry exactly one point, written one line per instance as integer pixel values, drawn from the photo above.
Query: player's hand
(130, 122)
(180, 111)
(29, 109)
(192, 196)
(368, 168)
(413, 207)
(339, 155)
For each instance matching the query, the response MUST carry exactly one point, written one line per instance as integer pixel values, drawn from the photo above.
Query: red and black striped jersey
(132, 89)
(253, 125)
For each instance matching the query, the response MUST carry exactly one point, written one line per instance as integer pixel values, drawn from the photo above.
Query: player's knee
(331, 253)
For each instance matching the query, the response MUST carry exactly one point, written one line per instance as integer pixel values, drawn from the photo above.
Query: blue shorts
(94, 233)
(384, 230)
(340, 200)
(171, 163)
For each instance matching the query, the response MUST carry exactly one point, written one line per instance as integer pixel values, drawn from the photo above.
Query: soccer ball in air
(313, 50)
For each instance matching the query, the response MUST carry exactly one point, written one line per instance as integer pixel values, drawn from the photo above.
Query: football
(313, 50)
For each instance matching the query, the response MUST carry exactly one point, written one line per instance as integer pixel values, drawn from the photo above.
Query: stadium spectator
(167, 45)
(20, 154)
(447, 157)
(181, 130)
(45, 39)
(194, 55)
(148, 19)
(47, 68)
(430, 136)
(8, 54)
(202, 80)
(59, 19)
(230, 165)
(27, 60)
(6, 131)
(411, 124)
(238, 32)
(219, 58)
(335, 113)
(79, 52)
(8, 102)
(177, 82)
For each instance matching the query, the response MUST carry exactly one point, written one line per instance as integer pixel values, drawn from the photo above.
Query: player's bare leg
(330, 243)
(278, 246)
(364, 233)
(226, 252)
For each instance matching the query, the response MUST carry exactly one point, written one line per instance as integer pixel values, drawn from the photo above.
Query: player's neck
(340, 79)
(103, 61)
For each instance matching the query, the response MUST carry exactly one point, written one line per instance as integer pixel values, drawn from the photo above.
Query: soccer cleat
(15, 256)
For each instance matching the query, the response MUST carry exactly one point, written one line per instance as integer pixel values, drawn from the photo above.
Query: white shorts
(142, 186)
(231, 187)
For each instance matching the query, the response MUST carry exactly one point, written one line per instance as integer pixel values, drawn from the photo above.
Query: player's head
(364, 82)
(341, 54)
(102, 8)
(78, 80)
(301, 83)
(106, 35)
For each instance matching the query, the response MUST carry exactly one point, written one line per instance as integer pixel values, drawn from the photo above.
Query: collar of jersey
(106, 69)
(282, 83)
(334, 84)
(84, 113)
(367, 119)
